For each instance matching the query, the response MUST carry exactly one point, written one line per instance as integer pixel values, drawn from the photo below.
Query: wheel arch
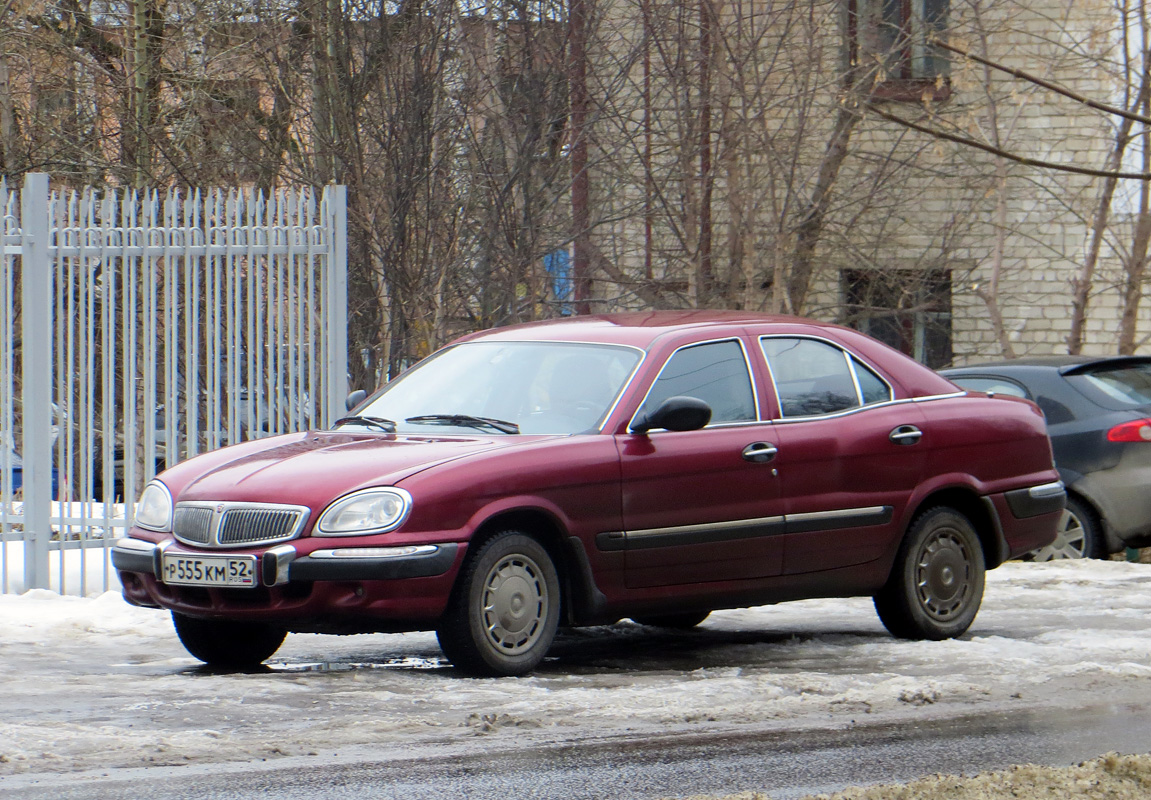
(1111, 541)
(978, 510)
(551, 533)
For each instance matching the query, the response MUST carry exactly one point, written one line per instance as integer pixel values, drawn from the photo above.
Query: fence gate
(138, 329)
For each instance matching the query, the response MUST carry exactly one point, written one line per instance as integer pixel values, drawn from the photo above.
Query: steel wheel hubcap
(515, 604)
(943, 579)
(1070, 541)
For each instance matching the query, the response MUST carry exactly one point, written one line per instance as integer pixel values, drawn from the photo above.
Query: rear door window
(871, 386)
(813, 378)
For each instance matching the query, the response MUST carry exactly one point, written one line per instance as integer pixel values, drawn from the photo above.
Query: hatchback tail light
(1137, 430)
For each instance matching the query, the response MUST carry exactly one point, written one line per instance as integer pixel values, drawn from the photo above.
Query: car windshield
(500, 388)
(1128, 385)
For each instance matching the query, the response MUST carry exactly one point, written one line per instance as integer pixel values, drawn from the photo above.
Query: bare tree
(9, 133)
(790, 156)
(1136, 87)
(740, 122)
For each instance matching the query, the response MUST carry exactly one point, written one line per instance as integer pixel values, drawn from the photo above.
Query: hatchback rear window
(989, 385)
(1127, 385)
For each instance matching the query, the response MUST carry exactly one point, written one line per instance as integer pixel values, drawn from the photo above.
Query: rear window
(1127, 385)
(994, 385)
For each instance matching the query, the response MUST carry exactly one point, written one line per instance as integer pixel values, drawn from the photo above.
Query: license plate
(209, 570)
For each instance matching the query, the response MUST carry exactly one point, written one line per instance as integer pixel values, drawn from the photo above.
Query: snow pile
(48, 620)
(93, 682)
(82, 572)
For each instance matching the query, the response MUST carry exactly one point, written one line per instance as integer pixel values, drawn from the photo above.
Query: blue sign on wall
(558, 264)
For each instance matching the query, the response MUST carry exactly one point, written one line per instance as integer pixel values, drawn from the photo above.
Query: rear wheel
(936, 584)
(227, 643)
(505, 608)
(1079, 536)
(677, 621)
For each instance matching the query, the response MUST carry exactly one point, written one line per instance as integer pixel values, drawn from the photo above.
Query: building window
(893, 38)
(909, 310)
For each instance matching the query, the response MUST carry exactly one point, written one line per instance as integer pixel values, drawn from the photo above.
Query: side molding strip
(735, 530)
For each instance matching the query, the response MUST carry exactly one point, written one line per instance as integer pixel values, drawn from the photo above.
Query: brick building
(720, 136)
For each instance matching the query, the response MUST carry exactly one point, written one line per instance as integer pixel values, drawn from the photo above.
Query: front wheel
(936, 584)
(227, 643)
(505, 608)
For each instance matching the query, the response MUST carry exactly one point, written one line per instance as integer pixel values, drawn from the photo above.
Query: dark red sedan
(655, 466)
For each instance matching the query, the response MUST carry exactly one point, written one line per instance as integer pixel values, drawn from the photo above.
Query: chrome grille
(249, 525)
(193, 524)
(231, 524)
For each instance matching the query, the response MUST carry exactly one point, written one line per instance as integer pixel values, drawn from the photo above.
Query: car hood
(311, 469)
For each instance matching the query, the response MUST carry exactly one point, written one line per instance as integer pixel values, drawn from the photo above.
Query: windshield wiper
(379, 423)
(467, 420)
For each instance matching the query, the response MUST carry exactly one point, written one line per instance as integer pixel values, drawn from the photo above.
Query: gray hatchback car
(1099, 418)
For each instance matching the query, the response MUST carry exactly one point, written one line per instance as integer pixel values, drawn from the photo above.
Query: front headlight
(154, 511)
(367, 511)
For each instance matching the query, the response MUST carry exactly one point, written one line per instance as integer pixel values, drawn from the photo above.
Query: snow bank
(84, 572)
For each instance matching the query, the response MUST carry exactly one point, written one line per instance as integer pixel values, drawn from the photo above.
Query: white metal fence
(138, 329)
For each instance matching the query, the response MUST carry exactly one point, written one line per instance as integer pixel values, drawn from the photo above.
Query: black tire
(681, 622)
(936, 583)
(504, 610)
(226, 643)
(1079, 536)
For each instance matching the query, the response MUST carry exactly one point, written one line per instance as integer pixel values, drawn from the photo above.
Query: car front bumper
(283, 564)
(358, 588)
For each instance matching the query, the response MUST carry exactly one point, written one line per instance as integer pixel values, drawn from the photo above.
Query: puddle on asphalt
(406, 663)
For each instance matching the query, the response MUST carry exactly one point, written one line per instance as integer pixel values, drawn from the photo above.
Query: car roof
(639, 329)
(643, 329)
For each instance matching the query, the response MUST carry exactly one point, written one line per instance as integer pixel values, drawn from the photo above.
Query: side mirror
(355, 398)
(678, 413)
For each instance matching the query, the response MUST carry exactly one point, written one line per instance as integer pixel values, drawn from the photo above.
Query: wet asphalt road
(784, 765)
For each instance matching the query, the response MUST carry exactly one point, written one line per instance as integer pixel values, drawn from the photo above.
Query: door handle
(760, 452)
(906, 434)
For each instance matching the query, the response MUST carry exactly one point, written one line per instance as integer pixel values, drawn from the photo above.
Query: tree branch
(1027, 76)
(1030, 162)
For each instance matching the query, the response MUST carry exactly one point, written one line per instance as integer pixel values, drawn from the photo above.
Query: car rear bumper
(1035, 501)
(1027, 518)
(1120, 495)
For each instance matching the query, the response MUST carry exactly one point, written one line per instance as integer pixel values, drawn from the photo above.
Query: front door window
(715, 372)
